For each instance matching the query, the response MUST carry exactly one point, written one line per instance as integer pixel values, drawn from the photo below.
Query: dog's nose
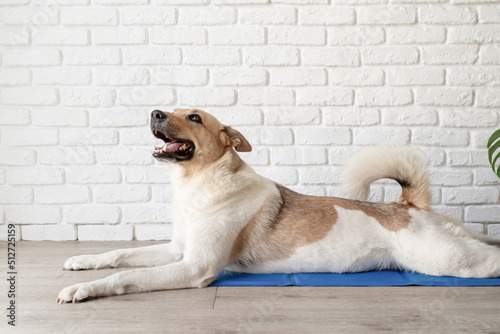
(158, 114)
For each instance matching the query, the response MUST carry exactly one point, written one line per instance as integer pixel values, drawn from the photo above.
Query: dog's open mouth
(179, 149)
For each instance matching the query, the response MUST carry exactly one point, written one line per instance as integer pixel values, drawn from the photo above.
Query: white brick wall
(308, 82)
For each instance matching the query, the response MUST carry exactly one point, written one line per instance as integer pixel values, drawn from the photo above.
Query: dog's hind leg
(148, 256)
(459, 229)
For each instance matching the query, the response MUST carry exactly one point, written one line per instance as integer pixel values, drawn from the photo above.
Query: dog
(225, 215)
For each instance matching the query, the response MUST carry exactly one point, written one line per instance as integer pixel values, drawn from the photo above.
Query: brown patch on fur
(288, 220)
(392, 216)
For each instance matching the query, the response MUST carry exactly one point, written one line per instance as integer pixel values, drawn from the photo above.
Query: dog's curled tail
(401, 164)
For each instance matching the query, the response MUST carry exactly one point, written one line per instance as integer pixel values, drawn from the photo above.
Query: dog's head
(193, 136)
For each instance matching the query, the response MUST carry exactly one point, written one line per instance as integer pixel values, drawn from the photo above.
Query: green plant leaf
(493, 146)
(494, 136)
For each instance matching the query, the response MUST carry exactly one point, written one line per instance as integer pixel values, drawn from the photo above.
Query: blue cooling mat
(371, 278)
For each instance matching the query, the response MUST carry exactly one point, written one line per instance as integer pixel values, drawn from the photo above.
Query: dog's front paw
(81, 262)
(75, 293)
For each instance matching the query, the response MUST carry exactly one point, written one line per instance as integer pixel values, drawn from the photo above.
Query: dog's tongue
(172, 147)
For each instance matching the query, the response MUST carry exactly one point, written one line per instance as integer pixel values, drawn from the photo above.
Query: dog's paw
(82, 262)
(74, 293)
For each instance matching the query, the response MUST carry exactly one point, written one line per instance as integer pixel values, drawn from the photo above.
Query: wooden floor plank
(235, 309)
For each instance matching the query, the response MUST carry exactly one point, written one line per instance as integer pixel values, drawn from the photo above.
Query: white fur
(211, 208)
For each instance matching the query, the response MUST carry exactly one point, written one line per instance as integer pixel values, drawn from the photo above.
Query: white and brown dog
(225, 215)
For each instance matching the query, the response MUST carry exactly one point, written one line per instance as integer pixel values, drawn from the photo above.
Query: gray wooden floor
(233, 309)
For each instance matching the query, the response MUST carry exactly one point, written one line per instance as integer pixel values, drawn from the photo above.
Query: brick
(212, 15)
(123, 156)
(3, 180)
(27, 176)
(33, 214)
(121, 2)
(297, 35)
(356, 36)
(480, 137)
(301, 2)
(416, 35)
(154, 232)
(275, 136)
(234, 36)
(410, 117)
(238, 2)
(17, 157)
(320, 175)
(62, 195)
(92, 56)
(483, 34)
(415, 76)
(93, 175)
(16, 195)
(467, 158)
(29, 15)
(399, 55)
(122, 194)
(326, 16)
(236, 76)
(61, 2)
(331, 57)
(386, 15)
(484, 213)
(61, 36)
(15, 36)
(489, 55)
(206, 97)
(59, 232)
(148, 16)
(258, 156)
(351, 116)
(179, 76)
(469, 118)
(473, 76)
(14, 116)
(15, 77)
(319, 96)
(293, 116)
(271, 56)
(268, 97)
(146, 96)
(87, 97)
(361, 2)
(450, 178)
(447, 15)
(211, 56)
(54, 117)
(110, 36)
(83, 137)
(162, 194)
(29, 96)
(105, 233)
(339, 155)
(298, 156)
(322, 136)
(30, 57)
(178, 35)
(119, 117)
(440, 137)
(62, 76)
(443, 96)
(356, 77)
(140, 214)
(89, 16)
(449, 54)
(470, 195)
(381, 136)
(147, 174)
(489, 14)
(488, 97)
(138, 136)
(298, 77)
(151, 55)
(369, 97)
(282, 175)
(121, 77)
(66, 156)
(243, 116)
(257, 15)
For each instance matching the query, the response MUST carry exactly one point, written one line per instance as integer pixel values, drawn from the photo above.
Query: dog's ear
(234, 138)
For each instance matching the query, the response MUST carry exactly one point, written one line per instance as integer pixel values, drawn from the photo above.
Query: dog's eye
(195, 118)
